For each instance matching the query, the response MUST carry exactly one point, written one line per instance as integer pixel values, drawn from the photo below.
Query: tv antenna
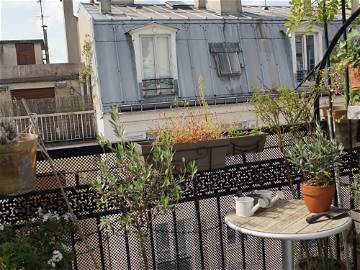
(44, 29)
(266, 7)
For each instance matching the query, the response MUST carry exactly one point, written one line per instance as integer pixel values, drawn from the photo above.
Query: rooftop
(166, 12)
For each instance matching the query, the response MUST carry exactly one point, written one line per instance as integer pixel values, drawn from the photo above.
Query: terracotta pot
(354, 76)
(17, 165)
(318, 198)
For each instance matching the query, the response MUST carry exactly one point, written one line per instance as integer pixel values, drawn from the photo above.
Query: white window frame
(154, 30)
(317, 32)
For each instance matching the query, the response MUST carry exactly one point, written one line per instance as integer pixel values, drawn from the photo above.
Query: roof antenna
(266, 7)
(44, 28)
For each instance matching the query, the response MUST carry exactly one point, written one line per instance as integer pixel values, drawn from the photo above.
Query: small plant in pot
(316, 157)
(17, 159)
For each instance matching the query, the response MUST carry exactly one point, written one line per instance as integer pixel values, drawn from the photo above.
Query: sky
(20, 19)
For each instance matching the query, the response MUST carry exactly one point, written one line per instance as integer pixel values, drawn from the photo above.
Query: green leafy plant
(235, 132)
(87, 54)
(282, 107)
(309, 12)
(8, 132)
(348, 52)
(140, 189)
(38, 244)
(316, 157)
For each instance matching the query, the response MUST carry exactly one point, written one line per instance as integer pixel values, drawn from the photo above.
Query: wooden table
(285, 221)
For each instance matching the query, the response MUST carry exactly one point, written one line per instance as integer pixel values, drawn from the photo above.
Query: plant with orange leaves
(189, 126)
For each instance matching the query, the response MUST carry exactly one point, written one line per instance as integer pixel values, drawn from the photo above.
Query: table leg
(287, 255)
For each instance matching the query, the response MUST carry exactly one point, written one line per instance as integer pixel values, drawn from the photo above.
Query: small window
(226, 57)
(25, 53)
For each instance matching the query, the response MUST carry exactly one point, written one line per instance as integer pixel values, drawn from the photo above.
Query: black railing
(193, 236)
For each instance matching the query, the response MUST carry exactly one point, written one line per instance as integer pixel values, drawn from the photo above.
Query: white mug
(244, 206)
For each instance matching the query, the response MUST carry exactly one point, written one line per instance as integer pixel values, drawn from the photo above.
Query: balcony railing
(193, 236)
(61, 127)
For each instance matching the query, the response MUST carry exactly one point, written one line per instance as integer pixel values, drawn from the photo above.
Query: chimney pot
(200, 4)
(224, 6)
(105, 6)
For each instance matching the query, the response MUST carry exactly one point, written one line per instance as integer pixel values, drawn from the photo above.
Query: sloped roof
(163, 12)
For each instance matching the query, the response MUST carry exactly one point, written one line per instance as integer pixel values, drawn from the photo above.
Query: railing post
(222, 253)
(198, 218)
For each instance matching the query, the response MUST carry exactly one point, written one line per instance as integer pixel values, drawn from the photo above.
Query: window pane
(299, 52)
(163, 60)
(234, 62)
(310, 48)
(224, 63)
(148, 60)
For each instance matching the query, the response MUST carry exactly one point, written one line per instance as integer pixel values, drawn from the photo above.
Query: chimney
(200, 4)
(71, 30)
(105, 6)
(224, 6)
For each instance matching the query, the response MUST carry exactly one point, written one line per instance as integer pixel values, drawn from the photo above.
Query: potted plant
(17, 159)
(197, 136)
(316, 156)
(140, 190)
(284, 106)
(39, 243)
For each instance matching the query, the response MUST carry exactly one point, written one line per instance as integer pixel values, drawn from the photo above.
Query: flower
(2, 227)
(67, 217)
(57, 256)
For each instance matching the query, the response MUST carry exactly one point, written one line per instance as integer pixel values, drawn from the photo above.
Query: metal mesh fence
(194, 236)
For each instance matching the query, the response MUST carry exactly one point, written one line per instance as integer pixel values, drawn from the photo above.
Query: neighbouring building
(147, 56)
(51, 91)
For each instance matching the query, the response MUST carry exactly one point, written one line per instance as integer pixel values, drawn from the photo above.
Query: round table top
(286, 221)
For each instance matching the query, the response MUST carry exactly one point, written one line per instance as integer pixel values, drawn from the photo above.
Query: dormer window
(226, 57)
(155, 54)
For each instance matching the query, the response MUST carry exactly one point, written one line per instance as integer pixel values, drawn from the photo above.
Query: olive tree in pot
(140, 190)
(316, 157)
(17, 159)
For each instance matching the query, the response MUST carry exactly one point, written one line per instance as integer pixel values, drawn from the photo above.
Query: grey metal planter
(247, 144)
(208, 155)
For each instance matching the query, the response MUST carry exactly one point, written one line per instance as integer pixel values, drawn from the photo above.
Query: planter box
(208, 155)
(247, 144)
